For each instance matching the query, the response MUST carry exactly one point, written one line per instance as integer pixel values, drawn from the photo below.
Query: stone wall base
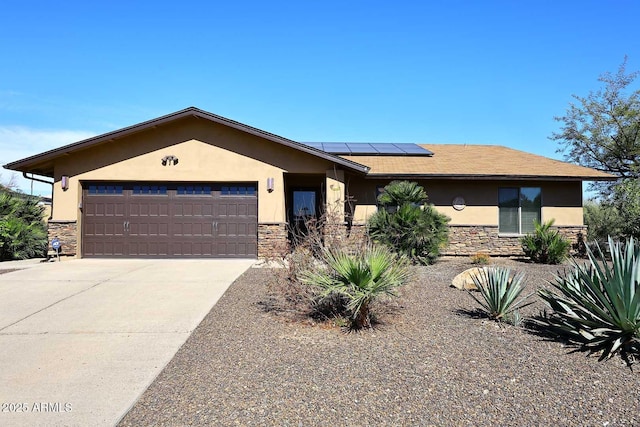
(67, 233)
(347, 237)
(273, 240)
(469, 240)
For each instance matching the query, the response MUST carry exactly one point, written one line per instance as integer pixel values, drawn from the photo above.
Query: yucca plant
(598, 304)
(361, 278)
(545, 245)
(500, 293)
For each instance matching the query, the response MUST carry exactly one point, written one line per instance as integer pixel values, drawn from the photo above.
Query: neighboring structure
(194, 184)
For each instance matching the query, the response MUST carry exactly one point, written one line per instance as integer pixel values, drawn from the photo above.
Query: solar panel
(336, 147)
(361, 148)
(373, 149)
(317, 145)
(385, 148)
(414, 149)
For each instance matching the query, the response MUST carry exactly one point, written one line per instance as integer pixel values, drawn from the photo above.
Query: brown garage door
(169, 220)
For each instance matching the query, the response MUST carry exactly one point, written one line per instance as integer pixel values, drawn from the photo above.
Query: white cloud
(18, 142)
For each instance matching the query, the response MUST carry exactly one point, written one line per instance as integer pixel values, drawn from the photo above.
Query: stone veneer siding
(471, 239)
(67, 233)
(347, 237)
(273, 240)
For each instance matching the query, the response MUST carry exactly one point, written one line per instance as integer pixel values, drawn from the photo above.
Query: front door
(304, 211)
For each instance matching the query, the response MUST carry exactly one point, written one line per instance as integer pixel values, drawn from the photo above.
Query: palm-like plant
(418, 232)
(545, 245)
(598, 305)
(500, 293)
(360, 278)
(398, 193)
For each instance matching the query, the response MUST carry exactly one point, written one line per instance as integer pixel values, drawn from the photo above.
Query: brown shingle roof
(491, 161)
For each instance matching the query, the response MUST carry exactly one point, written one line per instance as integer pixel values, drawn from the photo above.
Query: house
(194, 184)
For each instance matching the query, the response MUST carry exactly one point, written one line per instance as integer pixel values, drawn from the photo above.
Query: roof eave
(490, 177)
(26, 164)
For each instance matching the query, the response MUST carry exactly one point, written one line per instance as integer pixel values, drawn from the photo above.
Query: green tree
(603, 220)
(602, 131)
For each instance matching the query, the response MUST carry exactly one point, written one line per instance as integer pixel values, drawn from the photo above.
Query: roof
(478, 161)
(374, 149)
(42, 164)
(405, 160)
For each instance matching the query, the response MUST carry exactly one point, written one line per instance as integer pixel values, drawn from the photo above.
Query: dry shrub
(481, 258)
(286, 294)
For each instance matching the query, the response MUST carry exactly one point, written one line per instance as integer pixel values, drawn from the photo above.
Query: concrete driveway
(81, 340)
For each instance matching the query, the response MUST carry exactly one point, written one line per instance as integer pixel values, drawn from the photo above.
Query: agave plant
(360, 278)
(500, 293)
(598, 305)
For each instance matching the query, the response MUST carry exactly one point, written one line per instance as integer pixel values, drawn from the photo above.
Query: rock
(464, 280)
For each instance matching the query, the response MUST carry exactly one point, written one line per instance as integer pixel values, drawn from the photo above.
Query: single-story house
(195, 184)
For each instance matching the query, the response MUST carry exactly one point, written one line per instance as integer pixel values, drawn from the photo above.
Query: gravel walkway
(426, 364)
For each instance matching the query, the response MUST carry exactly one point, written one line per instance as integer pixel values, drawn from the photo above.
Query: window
(235, 190)
(519, 208)
(304, 204)
(196, 190)
(106, 189)
(150, 189)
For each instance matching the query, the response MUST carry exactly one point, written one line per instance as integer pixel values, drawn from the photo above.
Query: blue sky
(490, 72)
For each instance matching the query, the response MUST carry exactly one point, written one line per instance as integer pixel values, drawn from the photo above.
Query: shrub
(397, 193)
(286, 294)
(22, 230)
(418, 232)
(360, 278)
(499, 292)
(598, 304)
(544, 245)
(602, 220)
(481, 258)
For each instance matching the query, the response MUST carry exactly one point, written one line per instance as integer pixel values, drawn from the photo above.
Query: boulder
(464, 280)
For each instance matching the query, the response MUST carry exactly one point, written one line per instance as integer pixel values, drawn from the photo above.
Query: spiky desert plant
(545, 245)
(598, 304)
(500, 293)
(361, 278)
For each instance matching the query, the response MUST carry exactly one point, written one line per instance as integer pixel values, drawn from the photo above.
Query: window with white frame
(519, 207)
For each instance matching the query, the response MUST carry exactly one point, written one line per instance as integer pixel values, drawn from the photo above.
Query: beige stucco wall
(206, 151)
(561, 200)
(334, 184)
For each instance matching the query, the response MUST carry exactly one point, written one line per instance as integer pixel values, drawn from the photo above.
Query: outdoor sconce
(169, 160)
(270, 185)
(64, 182)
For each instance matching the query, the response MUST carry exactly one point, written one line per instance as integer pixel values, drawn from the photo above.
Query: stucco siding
(207, 152)
(561, 201)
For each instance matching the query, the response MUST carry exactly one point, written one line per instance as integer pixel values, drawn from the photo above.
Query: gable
(43, 164)
(204, 150)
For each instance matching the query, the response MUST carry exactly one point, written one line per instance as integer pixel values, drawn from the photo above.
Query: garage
(176, 220)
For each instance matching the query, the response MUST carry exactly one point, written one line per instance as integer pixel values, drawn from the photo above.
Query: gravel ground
(426, 364)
